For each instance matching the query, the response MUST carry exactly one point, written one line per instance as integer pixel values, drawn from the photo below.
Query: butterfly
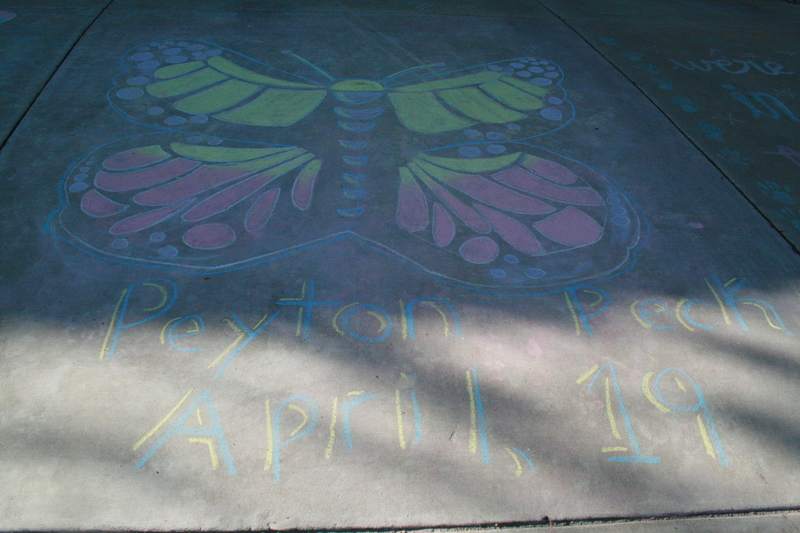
(433, 168)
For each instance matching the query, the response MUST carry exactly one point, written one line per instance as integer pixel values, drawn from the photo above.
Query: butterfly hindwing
(524, 218)
(197, 203)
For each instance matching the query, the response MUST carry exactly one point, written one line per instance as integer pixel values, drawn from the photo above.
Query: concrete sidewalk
(400, 265)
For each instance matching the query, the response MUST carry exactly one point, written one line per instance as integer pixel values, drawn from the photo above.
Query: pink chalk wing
(522, 179)
(147, 219)
(511, 231)
(550, 170)
(444, 228)
(138, 179)
(571, 226)
(209, 236)
(136, 157)
(479, 250)
(412, 206)
(467, 214)
(303, 188)
(488, 191)
(96, 205)
(261, 210)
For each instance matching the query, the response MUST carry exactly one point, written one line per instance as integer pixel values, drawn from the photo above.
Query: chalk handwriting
(586, 304)
(734, 66)
(151, 299)
(655, 390)
(298, 415)
(770, 106)
(789, 153)
(636, 454)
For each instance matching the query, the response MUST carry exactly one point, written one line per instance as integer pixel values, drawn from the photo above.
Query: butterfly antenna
(309, 64)
(409, 71)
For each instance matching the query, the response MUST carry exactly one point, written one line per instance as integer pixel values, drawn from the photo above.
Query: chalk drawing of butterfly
(433, 168)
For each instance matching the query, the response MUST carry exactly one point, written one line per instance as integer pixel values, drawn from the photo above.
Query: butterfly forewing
(523, 92)
(198, 87)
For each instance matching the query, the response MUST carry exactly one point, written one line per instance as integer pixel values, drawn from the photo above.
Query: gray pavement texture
(342, 265)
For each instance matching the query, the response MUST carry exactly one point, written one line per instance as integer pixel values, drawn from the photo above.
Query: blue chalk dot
(130, 93)
(78, 186)
(620, 221)
(516, 65)
(138, 80)
(536, 70)
(212, 53)
(541, 82)
(174, 121)
(80, 177)
(155, 111)
(496, 149)
(119, 244)
(551, 74)
(551, 113)
(182, 43)
(469, 151)
(613, 200)
(144, 56)
(84, 169)
(498, 272)
(555, 100)
(535, 273)
(496, 68)
(472, 133)
(168, 251)
(495, 136)
(158, 236)
(148, 65)
(618, 210)
(195, 47)
(199, 119)
(172, 52)
(523, 74)
(511, 259)
(198, 55)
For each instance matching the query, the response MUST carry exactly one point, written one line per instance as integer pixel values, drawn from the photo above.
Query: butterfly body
(436, 170)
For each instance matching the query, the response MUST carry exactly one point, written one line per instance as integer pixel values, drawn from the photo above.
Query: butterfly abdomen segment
(356, 113)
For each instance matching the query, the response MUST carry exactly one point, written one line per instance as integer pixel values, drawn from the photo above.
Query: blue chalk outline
(215, 431)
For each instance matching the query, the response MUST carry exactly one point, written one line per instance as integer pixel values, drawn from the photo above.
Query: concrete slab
(518, 8)
(33, 42)
(327, 288)
(768, 522)
(728, 81)
(774, 12)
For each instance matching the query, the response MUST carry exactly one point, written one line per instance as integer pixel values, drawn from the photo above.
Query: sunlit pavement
(400, 265)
